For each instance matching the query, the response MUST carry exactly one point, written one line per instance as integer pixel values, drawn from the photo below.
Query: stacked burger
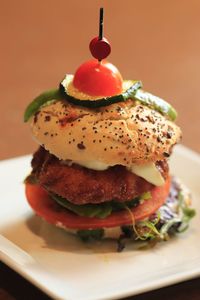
(101, 170)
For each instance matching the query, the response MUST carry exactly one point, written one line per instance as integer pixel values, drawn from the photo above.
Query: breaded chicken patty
(80, 185)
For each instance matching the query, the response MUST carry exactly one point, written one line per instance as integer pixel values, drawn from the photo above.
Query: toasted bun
(123, 133)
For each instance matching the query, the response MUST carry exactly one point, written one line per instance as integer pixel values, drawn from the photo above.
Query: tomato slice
(98, 78)
(49, 210)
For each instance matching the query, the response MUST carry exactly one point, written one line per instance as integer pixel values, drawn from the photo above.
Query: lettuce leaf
(86, 210)
(101, 210)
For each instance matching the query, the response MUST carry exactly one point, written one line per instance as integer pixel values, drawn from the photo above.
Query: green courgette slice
(132, 90)
(39, 101)
(78, 98)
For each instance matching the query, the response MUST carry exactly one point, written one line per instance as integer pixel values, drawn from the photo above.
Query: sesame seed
(81, 146)
(47, 118)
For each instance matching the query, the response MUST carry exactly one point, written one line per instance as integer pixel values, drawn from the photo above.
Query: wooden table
(155, 41)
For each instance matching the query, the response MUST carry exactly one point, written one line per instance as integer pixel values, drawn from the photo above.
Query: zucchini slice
(42, 99)
(72, 95)
(132, 90)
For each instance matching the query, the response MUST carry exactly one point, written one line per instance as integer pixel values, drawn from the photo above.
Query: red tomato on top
(98, 78)
(49, 210)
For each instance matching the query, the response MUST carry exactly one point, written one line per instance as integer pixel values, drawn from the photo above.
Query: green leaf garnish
(156, 103)
(101, 210)
(39, 101)
(147, 229)
(182, 220)
(86, 210)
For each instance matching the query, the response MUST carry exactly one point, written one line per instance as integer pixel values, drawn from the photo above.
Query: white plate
(65, 268)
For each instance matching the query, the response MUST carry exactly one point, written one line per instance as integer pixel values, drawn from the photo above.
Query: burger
(101, 169)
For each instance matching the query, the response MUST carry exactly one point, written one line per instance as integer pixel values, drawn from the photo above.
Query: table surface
(155, 41)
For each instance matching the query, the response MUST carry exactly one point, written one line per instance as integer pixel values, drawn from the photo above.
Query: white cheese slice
(149, 172)
(93, 164)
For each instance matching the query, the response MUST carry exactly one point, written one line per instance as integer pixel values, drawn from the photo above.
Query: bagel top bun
(124, 133)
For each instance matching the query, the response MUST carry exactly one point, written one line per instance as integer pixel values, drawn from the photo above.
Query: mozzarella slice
(94, 165)
(149, 172)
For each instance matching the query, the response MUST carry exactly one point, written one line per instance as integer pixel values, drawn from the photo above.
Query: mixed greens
(172, 217)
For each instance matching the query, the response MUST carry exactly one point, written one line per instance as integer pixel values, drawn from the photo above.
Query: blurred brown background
(155, 41)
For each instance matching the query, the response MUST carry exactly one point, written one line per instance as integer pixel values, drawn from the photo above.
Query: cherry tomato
(98, 79)
(49, 210)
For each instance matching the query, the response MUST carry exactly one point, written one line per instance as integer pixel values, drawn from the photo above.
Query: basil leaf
(86, 210)
(100, 210)
(42, 99)
(156, 103)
